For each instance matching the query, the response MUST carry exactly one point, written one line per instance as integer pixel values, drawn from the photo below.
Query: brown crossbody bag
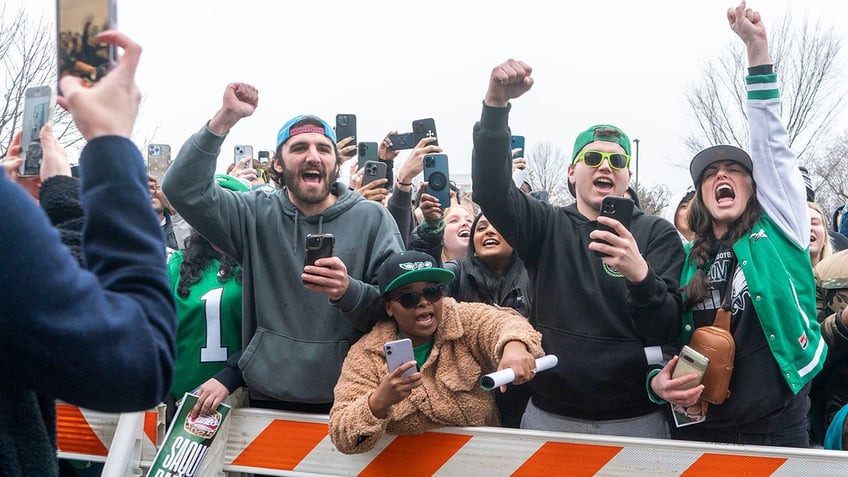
(716, 343)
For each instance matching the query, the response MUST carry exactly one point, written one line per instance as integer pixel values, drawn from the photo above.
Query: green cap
(601, 132)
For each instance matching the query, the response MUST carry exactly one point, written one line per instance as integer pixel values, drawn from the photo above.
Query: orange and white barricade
(283, 443)
(87, 435)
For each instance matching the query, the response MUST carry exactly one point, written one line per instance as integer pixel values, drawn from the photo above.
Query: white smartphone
(38, 111)
(399, 352)
(690, 362)
(241, 151)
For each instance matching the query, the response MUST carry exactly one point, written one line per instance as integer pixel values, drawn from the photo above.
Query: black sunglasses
(411, 299)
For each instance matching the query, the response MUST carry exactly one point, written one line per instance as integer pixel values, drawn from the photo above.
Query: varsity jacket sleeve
(216, 213)
(517, 217)
(780, 186)
(101, 338)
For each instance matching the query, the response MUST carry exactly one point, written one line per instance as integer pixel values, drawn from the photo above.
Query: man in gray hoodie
(299, 321)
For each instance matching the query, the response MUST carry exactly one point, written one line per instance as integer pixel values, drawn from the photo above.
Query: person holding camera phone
(400, 201)
(604, 317)
(454, 345)
(751, 254)
(73, 333)
(299, 320)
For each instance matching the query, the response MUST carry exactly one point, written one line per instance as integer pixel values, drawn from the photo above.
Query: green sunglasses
(616, 160)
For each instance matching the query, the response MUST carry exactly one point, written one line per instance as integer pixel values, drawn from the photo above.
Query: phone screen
(78, 22)
(38, 111)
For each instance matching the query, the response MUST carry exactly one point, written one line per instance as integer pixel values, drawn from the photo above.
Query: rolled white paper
(505, 376)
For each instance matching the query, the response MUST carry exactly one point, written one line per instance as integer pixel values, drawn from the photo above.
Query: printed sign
(188, 440)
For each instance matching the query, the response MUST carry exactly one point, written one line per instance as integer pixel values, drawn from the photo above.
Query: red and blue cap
(289, 129)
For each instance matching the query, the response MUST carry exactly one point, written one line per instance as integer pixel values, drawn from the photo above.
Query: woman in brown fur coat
(454, 345)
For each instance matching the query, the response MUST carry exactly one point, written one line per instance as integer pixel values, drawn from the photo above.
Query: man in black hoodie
(604, 317)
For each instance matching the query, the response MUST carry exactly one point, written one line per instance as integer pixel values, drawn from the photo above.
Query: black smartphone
(517, 142)
(77, 22)
(372, 171)
(346, 127)
(240, 151)
(422, 128)
(38, 111)
(158, 160)
(368, 151)
(264, 156)
(318, 246)
(402, 141)
(618, 208)
(437, 177)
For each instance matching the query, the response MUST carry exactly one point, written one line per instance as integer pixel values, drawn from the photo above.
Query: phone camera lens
(429, 161)
(342, 121)
(389, 351)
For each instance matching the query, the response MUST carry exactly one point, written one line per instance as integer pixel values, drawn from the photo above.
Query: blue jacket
(101, 338)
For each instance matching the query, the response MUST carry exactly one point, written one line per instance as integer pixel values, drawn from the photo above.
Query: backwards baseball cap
(601, 132)
(289, 129)
(714, 154)
(408, 267)
(231, 183)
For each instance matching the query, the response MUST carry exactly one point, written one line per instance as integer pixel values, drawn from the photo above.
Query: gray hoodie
(294, 339)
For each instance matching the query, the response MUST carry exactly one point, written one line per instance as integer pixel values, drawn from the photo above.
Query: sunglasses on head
(616, 160)
(411, 299)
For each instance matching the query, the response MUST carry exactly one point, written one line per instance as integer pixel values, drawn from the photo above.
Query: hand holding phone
(158, 160)
(372, 171)
(618, 208)
(318, 246)
(243, 151)
(38, 111)
(517, 142)
(346, 127)
(402, 141)
(422, 128)
(437, 177)
(690, 361)
(399, 352)
(78, 22)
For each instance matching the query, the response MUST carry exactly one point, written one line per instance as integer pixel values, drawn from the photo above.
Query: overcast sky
(389, 62)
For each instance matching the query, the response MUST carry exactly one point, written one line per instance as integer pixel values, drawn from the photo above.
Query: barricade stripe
(74, 434)
(490, 455)
(151, 424)
(722, 464)
(282, 445)
(562, 458)
(418, 455)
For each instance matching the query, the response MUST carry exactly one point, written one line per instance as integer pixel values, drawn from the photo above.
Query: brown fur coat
(468, 343)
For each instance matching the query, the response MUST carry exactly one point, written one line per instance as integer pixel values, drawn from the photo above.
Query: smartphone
(399, 352)
(373, 170)
(422, 128)
(241, 151)
(437, 177)
(77, 22)
(264, 157)
(690, 362)
(517, 142)
(539, 195)
(38, 111)
(402, 141)
(619, 208)
(368, 151)
(346, 127)
(318, 246)
(158, 160)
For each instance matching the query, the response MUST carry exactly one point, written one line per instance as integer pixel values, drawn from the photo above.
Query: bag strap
(723, 313)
